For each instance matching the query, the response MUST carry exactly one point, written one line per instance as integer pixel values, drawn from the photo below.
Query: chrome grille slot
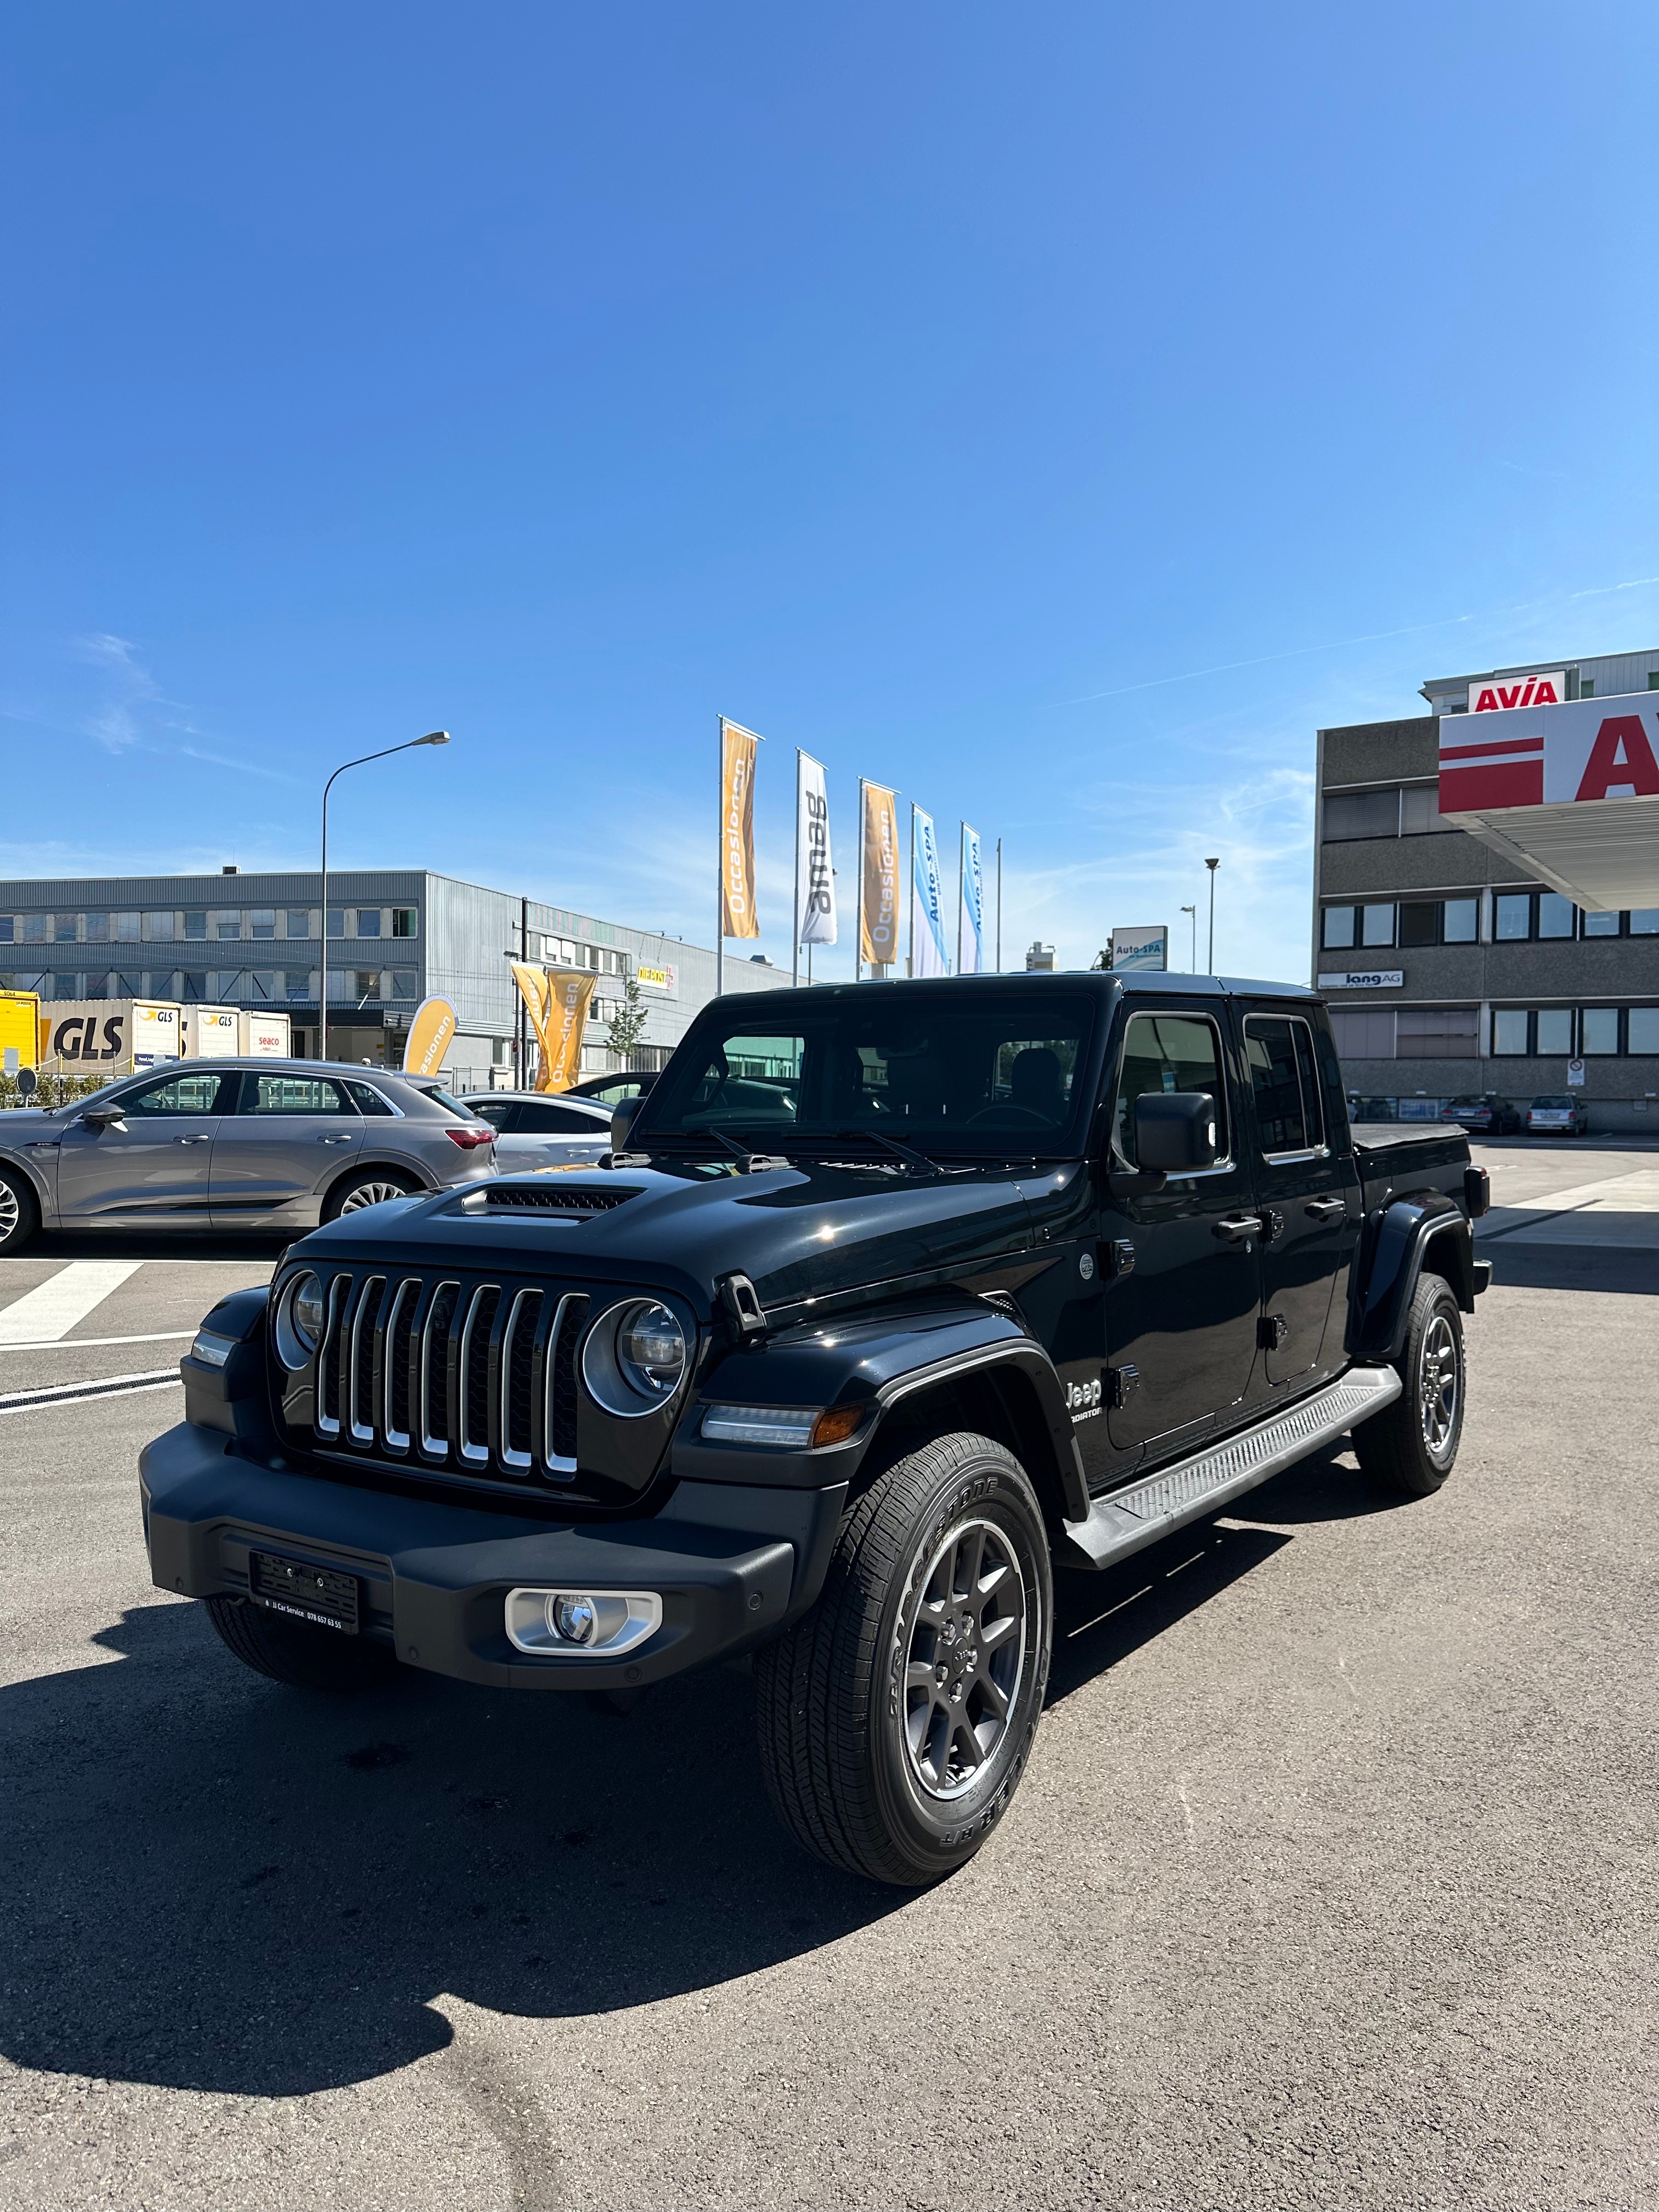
(472, 1376)
(433, 1381)
(395, 1347)
(360, 1385)
(518, 1442)
(328, 1360)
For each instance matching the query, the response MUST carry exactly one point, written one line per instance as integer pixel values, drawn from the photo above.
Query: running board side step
(1131, 1518)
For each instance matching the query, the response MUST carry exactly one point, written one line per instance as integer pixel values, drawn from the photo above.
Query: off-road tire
(20, 1214)
(348, 1194)
(1411, 1445)
(293, 1652)
(837, 1703)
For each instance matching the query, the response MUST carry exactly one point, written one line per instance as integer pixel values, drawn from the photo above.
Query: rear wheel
(293, 1652)
(20, 1216)
(895, 1719)
(1412, 1444)
(370, 1187)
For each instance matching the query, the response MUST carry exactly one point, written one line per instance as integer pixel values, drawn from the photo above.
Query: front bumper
(732, 1565)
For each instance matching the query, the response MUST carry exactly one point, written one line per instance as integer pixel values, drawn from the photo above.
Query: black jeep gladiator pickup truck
(890, 1298)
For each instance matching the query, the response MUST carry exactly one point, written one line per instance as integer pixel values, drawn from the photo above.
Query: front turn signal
(836, 1423)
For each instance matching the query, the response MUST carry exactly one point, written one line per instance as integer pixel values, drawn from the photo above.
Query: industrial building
(1515, 950)
(395, 936)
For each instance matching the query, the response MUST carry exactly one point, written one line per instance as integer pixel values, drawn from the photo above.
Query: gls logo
(1083, 1397)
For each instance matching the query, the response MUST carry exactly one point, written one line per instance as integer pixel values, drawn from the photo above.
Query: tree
(623, 1031)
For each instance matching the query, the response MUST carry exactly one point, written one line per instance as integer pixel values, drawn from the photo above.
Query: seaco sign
(1496, 695)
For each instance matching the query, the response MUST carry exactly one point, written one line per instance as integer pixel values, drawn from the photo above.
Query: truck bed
(1397, 1157)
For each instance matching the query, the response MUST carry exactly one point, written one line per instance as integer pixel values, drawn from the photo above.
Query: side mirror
(1175, 1131)
(100, 1118)
(622, 1120)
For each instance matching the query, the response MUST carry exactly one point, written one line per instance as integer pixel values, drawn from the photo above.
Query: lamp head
(1216, 863)
(433, 738)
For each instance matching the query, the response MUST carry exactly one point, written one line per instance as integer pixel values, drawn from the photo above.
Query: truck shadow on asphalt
(216, 1884)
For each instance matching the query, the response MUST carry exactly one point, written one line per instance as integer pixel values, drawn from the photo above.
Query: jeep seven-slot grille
(474, 1378)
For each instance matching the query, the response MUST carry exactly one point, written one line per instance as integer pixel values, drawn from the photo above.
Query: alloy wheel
(371, 1194)
(1439, 1385)
(967, 1649)
(11, 1212)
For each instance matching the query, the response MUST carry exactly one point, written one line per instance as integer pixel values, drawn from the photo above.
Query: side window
(499, 1113)
(367, 1098)
(294, 1094)
(1279, 1053)
(548, 1120)
(180, 1094)
(1168, 1052)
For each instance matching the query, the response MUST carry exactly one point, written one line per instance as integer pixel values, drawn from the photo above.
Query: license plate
(320, 1595)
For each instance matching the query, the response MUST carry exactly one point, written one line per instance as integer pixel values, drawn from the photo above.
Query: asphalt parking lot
(1335, 1881)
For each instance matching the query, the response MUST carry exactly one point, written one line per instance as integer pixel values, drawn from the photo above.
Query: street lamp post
(432, 737)
(1193, 910)
(1211, 865)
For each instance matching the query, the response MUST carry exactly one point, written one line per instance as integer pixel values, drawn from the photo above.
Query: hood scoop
(536, 1198)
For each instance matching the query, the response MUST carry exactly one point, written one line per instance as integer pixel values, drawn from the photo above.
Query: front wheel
(1412, 1444)
(897, 1717)
(20, 1217)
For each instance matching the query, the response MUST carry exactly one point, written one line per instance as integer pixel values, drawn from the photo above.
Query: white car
(534, 1129)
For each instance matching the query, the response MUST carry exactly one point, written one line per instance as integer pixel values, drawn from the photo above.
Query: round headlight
(299, 1316)
(650, 1351)
(635, 1356)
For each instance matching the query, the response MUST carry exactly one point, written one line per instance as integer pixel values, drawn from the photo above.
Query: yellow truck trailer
(20, 1030)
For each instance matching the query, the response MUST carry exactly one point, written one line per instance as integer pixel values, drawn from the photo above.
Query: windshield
(954, 1073)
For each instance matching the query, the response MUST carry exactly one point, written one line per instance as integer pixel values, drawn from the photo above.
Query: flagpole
(962, 885)
(794, 926)
(719, 848)
(857, 927)
(999, 906)
(910, 870)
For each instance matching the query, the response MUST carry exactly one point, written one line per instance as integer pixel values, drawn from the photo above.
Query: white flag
(815, 920)
(927, 954)
(970, 919)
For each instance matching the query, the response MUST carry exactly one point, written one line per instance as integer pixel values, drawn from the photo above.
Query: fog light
(580, 1624)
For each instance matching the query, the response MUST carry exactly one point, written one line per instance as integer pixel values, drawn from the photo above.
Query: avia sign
(1569, 790)
(1493, 695)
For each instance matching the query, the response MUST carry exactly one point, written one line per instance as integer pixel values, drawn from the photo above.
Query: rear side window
(1168, 1052)
(369, 1099)
(535, 1119)
(499, 1113)
(1279, 1052)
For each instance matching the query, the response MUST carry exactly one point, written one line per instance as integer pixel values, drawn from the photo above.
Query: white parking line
(52, 1308)
(81, 1343)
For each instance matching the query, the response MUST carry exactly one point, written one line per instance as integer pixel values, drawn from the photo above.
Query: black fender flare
(881, 1364)
(1399, 1240)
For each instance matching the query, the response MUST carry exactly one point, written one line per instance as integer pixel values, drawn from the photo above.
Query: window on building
(266, 983)
(1437, 1032)
(196, 984)
(1509, 1031)
(1350, 815)
(1419, 810)
(6, 935)
(35, 928)
(368, 921)
(126, 928)
(1376, 925)
(128, 983)
(1643, 1025)
(1363, 1032)
(366, 983)
(262, 921)
(98, 984)
(1460, 920)
(337, 922)
(195, 923)
(227, 925)
(1514, 917)
(299, 921)
(1587, 687)
(298, 983)
(403, 919)
(1338, 928)
(65, 986)
(1556, 915)
(98, 928)
(405, 983)
(337, 983)
(1644, 921)
(1598, 1032)
(63, 932)
(1554, 1030)
(1420, 921)
(158, 927)
(1600, 924)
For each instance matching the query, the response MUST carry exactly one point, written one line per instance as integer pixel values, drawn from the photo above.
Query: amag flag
(927, 954)
(970, 913)
(815, 878)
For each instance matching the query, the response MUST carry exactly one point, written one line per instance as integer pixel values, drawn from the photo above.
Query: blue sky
(1057, 413)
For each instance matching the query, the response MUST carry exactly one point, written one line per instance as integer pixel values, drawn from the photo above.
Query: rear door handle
(1325, 1209)
(193, 1140)
(1234, 1228)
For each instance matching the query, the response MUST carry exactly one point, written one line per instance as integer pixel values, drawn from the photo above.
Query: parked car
(234, 1144)
(612, 1090)
(537, 1129)
(1558, 1116)
(1488, 1115)
(1000, 1274)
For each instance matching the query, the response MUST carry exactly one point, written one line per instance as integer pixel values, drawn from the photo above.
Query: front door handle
(193, 1140)
(1325, 1209)
(1235, 1228)
(334, 1140)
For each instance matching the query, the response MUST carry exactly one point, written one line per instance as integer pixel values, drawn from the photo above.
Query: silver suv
(234, 1144)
